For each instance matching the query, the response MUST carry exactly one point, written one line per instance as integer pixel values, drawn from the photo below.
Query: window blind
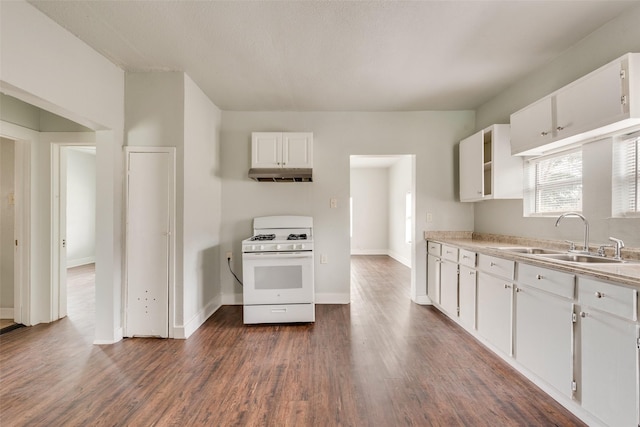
(554, 184)
(626, 179)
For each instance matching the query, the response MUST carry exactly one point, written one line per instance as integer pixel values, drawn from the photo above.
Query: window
(626, 176)
(407, 222)
(554, 184)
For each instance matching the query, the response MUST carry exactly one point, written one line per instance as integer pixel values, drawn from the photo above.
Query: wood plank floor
(380, 361)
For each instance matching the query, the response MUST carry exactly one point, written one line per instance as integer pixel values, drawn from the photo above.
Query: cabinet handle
(471, 273)
(539, 276)
(518, 290)
(479, 192)
(599, 294)
(583, 314)
(506, 286)
(559, 128)
(492, 264)
(544, 133)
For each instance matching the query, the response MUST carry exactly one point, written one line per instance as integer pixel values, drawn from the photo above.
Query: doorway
(73, 217)
(382, 207)
(7, 233)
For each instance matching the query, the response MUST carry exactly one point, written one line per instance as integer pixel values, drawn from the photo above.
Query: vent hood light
(281, 175)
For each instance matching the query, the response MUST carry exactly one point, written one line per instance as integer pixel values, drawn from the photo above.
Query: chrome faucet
(618, 245)
(585, 248)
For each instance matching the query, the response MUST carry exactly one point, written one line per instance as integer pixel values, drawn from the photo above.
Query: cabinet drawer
(450, 253)
(467, 258)
(609, 298)
(497, 266)
(555, 282)
(434, 248)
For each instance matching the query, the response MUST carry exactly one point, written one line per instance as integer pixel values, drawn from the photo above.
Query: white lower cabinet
(578, 338)
(609, 387)
(494, 299)
(467, 296)
(544, 324)
(449, 287)
(543, 336)
(433, 271)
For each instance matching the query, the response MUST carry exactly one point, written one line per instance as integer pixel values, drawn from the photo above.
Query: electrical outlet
(333, 203)
(323, 259)
(229, 256)
(429, 217)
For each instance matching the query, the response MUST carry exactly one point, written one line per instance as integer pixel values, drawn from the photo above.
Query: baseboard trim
(333, 298)
(369, 252)
(423, 300)
(400, 259)
(185, 331)
(7, 313)
(118, 335)
(80, 261)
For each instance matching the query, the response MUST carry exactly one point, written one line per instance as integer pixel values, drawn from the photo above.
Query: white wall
(202, 210)
(611, 41)
(370, 194)
(6, 228)
(431, 136)
(399, 185)
(50, 68)
(81, 206)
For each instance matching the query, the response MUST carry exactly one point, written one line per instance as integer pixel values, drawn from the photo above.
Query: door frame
(59, 222)
(23, 138)
(171, 151)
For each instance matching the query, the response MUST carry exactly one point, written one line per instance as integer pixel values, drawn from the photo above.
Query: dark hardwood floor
(380, 361)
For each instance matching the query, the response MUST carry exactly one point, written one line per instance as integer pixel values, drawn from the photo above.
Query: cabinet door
(532, 126)
(266, 150)
(590, 102)
(609, 353)
(449, 288)
(467, 296)
(433, 278)
(543, 340)
(471, 168)
(495, 298)
(297, 150)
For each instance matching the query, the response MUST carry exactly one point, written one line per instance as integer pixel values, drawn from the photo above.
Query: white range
(277, 267)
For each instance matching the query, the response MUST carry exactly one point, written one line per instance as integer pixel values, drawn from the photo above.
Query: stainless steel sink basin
(530, 251)
(580, 258)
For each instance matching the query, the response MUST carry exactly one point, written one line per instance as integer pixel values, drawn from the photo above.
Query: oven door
(278, 278)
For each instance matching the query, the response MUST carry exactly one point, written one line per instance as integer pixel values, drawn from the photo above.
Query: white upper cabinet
(487, 169)
(532, 127)
(598, 104)
(281, 150)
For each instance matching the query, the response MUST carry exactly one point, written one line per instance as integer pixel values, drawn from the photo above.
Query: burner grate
(302, 236)
(264, 237)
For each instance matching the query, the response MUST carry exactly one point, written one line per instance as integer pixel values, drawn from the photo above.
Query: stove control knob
(262, 247)
(278, 247)
(302, 246)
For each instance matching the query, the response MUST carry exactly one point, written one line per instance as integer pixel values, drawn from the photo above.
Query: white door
(149, 207)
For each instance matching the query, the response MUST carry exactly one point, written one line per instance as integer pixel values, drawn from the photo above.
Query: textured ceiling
(337, 55)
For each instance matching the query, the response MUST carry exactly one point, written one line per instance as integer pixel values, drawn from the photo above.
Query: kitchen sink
(530, 251)
(580, 258)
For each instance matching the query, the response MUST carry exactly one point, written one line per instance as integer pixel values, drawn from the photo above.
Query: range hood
(281, 174)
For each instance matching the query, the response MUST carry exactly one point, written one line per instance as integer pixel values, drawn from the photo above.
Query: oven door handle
(288, 255)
